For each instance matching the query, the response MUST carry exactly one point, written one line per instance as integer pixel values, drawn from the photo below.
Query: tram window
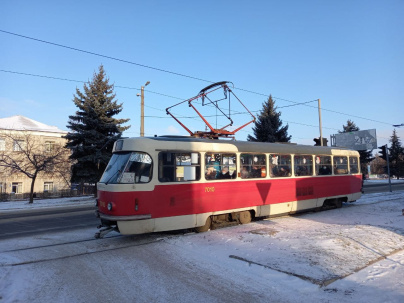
(303, 165)
(138, 169)
(179, 167)
(127, 167)
(253, 166)
(281, 165)
(353, 165)
(220, 166)
(340, 165)
(323, 165)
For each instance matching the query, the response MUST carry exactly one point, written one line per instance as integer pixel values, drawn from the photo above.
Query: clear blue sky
(347, 53)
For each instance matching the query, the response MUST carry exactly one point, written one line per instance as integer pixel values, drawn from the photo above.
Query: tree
(30, 157)
(396, 156)
(349, 127)
(268, 126)
(94, 128)
(378, 165)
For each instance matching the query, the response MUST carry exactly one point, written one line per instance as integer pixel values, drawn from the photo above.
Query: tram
(170, 183)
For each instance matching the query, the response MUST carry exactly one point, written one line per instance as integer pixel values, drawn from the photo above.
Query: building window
(323, 165)
(253, 166)
(179, 167)
(281, 165)
(18, 145)
(220, 166)
(49, 146)
(16, 187)
(2, 188)
(48, 186)
(2, 144)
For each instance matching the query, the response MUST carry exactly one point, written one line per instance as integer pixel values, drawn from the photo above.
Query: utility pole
(319, 122)
(142, 108)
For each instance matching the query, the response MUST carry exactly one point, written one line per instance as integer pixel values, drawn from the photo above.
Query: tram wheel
(206, 227)
(245, 217)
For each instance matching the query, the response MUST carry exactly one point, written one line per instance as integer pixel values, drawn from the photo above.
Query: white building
(45, 138)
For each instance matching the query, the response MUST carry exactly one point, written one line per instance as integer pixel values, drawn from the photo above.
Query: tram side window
(323, 165)
(340, 165)
(353, 165)
(253, 166)
(281, 165)
(220, 166)
(303, 165)
(179, 167)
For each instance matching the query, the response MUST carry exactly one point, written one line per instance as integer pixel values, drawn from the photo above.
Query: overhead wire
(196, 118)
(171, 72)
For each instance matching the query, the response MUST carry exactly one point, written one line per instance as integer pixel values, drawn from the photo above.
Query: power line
(167, 71)
(104, 56)
(134, 63)
(173, 97)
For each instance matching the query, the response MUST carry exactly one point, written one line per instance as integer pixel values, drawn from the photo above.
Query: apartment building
(18, 133)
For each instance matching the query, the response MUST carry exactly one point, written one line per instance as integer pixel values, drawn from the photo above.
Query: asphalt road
(380, 188)
(36, 222)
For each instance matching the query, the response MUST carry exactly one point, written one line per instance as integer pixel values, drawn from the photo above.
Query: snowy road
(352, 254)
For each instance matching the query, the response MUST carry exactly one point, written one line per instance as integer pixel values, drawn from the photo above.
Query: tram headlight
(109, 206)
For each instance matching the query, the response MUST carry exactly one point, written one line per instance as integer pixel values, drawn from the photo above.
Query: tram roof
(176, 143)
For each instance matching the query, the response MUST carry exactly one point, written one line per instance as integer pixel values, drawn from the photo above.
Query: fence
(85, 190)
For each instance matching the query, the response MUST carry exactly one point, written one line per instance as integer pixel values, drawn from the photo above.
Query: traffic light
(384, 152)
(318, 141)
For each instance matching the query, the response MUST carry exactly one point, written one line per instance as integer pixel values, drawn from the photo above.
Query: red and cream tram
(169, 183)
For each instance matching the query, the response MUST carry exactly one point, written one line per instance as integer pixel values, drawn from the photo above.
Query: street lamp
(142, 108)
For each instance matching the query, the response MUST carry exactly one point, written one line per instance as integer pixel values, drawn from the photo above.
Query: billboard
(359, 140)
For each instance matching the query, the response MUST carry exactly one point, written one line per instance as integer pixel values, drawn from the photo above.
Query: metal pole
(319, 122)
(388, 166)
(142, 111)
(142, 108)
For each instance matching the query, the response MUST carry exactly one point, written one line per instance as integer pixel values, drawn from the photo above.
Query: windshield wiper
(114, 174)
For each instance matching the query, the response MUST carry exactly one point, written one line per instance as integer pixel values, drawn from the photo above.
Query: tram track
(65, 254)
(57, 244)
(83, 247)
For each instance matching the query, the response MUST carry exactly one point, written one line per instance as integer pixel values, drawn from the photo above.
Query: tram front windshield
(128, 167)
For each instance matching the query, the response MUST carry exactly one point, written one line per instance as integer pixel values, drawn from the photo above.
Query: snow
(351, 254)
(45, 203)
(24, 123)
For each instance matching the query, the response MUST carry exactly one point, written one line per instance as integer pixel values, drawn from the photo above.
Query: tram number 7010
(209, 189)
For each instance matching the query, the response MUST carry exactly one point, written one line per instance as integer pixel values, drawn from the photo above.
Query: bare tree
(29, 155)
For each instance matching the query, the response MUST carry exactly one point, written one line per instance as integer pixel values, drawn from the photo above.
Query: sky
(348, 54)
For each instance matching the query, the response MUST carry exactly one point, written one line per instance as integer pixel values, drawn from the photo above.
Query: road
(382, 187)
(34, 222)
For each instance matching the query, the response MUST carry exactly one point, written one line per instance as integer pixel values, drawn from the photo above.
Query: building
(21, 136)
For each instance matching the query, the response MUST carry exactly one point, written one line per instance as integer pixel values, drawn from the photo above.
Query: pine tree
(396, 156)
(93, 130)
(349, 127)
(268, 126)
